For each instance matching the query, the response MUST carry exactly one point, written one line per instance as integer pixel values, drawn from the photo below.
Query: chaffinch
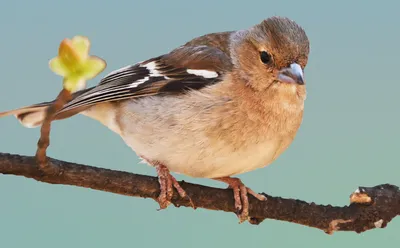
(220, 105)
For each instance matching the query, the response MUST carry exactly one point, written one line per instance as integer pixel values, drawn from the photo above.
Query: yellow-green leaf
(68, 54)
(74, 63)
(58, 67)
(93, 67)
(74, 83)
(81, 45)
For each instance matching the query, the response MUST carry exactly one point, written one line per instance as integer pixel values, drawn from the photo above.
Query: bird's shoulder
(219, 40)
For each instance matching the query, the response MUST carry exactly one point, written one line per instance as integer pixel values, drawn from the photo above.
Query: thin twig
(44, 140)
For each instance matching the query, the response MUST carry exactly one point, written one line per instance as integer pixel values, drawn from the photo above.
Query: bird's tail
(33, 115)
(30, 116)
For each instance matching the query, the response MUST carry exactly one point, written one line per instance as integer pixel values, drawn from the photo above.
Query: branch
(371, 207)
(44, 141)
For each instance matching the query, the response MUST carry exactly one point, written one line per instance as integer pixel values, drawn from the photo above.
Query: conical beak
(292, 74)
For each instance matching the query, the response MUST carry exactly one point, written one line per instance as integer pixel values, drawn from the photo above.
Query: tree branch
(371, 207)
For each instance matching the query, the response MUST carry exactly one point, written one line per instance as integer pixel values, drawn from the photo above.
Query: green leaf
(93, 67)
(74, 83)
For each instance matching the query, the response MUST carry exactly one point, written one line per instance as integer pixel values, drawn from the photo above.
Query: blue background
(348, 137)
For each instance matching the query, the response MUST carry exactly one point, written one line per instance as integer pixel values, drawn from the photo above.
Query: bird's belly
(205, 160)
(221, 162)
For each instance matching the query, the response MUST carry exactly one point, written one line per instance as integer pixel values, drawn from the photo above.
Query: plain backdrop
(349, 136)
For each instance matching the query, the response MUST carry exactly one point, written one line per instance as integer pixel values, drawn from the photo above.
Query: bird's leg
(167, 185)
(240, 192)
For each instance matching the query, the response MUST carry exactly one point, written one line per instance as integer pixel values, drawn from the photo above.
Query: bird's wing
(187, 67)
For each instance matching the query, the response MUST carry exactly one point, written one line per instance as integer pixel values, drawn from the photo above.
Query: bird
(219, 105)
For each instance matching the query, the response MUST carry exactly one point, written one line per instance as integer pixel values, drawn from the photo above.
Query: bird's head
(274, 52)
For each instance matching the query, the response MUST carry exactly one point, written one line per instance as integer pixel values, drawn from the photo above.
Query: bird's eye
(265, 57)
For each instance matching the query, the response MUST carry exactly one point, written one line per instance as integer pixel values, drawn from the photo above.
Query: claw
(167, 185)
(240, 192)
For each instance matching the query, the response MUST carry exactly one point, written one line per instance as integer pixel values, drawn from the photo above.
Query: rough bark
(370, 207)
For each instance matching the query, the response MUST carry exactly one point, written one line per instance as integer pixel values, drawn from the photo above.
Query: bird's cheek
(264, 82)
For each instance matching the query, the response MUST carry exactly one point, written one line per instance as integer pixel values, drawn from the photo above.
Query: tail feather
(33, 116)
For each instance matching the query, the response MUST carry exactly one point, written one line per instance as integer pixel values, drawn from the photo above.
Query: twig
(44, 140)
(371, 208)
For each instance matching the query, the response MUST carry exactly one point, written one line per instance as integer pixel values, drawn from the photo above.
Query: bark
(370, 207)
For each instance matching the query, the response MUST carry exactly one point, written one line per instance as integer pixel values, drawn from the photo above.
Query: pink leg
(167, 185)
(240, 195)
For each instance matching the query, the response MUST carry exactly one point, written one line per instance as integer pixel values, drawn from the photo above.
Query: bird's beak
(293, 74)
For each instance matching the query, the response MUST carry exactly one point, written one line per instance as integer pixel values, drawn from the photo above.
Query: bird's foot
(167, 185)
(240, 192)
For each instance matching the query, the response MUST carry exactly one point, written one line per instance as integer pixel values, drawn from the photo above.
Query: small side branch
(44, 140)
